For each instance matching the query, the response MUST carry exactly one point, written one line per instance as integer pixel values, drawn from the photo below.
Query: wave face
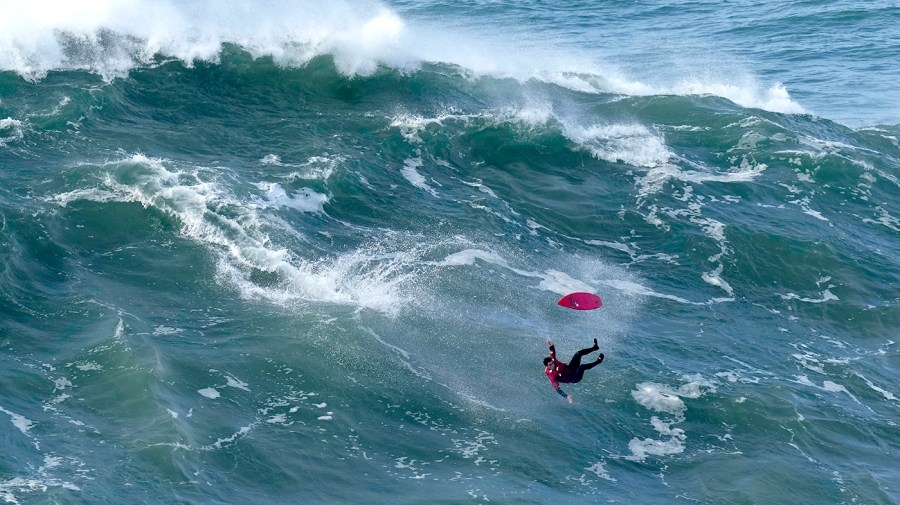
(264, 253)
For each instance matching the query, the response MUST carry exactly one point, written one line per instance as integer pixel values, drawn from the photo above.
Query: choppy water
(258, 253)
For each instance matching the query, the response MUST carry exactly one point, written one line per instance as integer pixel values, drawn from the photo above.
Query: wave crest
(112, 37)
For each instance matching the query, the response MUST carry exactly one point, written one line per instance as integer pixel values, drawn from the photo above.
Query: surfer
(557, 371)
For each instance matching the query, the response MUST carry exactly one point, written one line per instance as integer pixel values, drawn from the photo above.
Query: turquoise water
(259, 253)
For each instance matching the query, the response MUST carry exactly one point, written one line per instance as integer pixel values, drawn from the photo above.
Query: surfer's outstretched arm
(562, 393)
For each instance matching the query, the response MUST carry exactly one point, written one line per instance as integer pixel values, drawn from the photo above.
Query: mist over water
(260, 252)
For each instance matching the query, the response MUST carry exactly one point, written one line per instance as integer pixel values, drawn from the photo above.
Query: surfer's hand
(569, 399)
(549, 342)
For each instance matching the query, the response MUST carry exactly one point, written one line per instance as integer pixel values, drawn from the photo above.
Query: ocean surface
(310, 252)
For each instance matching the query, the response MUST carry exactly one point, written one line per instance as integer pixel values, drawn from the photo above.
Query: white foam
(237, 383)
(714, 278)
(887, 394)
(469, 449)
(166, 330)
(210, 393)
(468, 257)
(612, 245)
(633, 144)
(277, 419)
(802, 379)
(10, 130)
(56, 400)
(829, 386)
(810, 362)
(488, 191)
(745, 91)
(111, 37)
(315, 167)
(654, 180)
(600, 471)
(561, 283)
(304, 200)
(20, 484)
(632, 251)
(827, 296)
(411, 126)
(414, 177)
(222, 441)
(667, 400)
(529, 116)
(369, 277)
(640, 449)
(271, 159)
(659, 398)
(119, 332)
(22, 423)
(885, 219)
(61, 383)
(814, 213)
(550, 280)
(834, 387)
(729, 376)
(88, 366)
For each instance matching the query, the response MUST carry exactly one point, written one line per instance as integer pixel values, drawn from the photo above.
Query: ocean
(310, 252)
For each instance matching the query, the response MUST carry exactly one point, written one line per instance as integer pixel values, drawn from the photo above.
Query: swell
(247, 158)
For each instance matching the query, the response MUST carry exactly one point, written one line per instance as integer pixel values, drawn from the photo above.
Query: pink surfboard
(581, 301)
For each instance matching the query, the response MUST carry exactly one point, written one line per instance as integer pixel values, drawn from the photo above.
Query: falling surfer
(557, 371)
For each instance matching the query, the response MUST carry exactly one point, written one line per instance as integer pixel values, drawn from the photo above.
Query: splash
(666, 400)
(372, 276)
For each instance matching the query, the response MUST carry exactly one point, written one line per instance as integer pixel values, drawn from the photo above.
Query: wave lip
(749, 94)
(112, 37)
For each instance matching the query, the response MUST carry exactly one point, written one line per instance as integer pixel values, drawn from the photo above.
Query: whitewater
(271, 252)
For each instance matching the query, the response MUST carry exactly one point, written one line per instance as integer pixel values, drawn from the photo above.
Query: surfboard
(581, 301)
